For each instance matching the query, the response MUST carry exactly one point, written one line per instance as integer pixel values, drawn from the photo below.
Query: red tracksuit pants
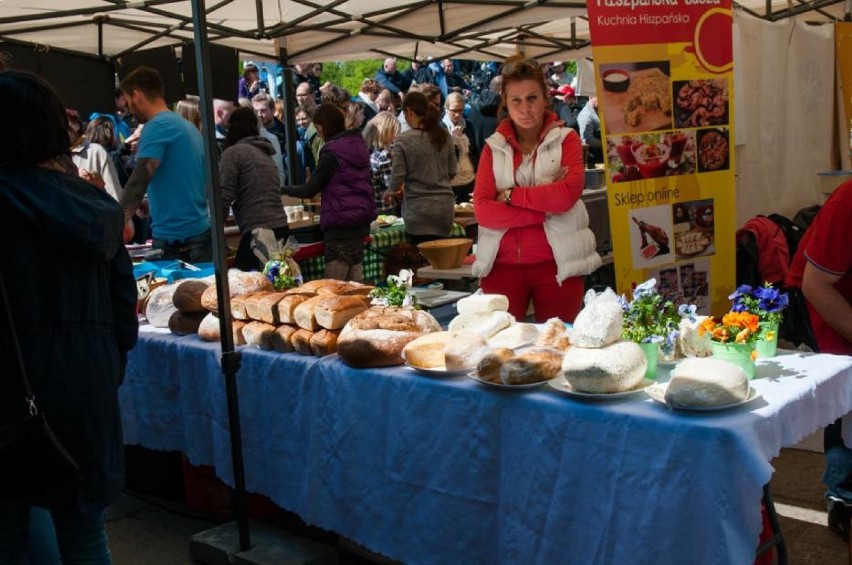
(536, 281)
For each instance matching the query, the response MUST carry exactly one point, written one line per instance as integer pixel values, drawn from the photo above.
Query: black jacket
(73, 297)
(483, 119)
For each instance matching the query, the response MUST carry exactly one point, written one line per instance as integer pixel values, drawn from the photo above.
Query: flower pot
(737, 353)
(652, 353)
(767, 347)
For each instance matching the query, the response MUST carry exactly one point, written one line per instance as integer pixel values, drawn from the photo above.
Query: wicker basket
(446, 253)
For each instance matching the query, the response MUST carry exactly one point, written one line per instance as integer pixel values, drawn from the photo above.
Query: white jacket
(568, 234)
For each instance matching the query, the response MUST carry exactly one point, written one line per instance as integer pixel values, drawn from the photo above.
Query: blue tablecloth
(447, 471)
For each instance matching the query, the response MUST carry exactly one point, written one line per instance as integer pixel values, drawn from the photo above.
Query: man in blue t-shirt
(170, 168)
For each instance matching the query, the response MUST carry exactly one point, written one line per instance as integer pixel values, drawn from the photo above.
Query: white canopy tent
(339, 30)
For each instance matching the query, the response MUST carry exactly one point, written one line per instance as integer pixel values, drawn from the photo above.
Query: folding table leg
(777, 539)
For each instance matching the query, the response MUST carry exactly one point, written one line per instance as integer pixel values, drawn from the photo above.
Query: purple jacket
(347, 199)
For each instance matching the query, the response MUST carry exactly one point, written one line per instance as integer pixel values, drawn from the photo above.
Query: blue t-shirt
(176, 193)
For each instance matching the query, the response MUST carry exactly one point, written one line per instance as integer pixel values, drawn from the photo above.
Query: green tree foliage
(349, 74)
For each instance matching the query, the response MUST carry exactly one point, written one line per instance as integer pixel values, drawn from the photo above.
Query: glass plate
(658, 393)
(562, 385)
(502, 386)
(439, 372)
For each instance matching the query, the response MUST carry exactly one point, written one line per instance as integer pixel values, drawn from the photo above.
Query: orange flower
(731, 319)
(750, 321)
(742, 337)
(754, 354)
(721, 334)
(707, 325)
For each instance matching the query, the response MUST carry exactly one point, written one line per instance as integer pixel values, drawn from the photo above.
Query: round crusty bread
(376, 337)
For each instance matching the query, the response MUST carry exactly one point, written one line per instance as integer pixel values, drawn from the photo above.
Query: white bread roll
(282, 339)
(259, 333)
(304, 314)
(614, 368)
(314, 286)
(516, 335)
(287, 307)
(427, 351)
(533, 366)
(476, 303)
(485, 324)
(376, 337)
(464, 351)
(703, 382)
(333, 312)
(239, 304)
(208, 330)
(324, 342)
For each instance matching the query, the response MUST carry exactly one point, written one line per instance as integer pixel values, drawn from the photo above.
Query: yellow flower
(770, 336)
(754, 354)
(742, 337)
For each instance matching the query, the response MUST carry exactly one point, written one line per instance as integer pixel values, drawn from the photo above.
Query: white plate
(562, 385)
(476, 378)
(437, 371)
(658, 392)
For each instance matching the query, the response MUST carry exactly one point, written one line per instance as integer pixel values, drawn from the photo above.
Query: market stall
(430, 470)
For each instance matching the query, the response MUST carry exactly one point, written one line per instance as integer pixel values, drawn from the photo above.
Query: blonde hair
(381, 131)
(453, 97)
(387, 97)
(188, 109)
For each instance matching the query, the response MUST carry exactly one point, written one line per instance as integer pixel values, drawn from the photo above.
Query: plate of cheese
(657, 392)
(561, 385)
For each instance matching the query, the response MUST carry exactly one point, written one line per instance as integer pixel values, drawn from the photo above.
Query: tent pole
(230, 357)
(288, 94)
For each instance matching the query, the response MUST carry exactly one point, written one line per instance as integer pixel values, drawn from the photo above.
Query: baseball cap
(565, 90)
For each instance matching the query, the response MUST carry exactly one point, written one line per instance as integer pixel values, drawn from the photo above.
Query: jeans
(81, 535)
(196, 249)
(838, 464)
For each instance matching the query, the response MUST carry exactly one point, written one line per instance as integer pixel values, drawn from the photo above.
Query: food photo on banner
(663, 77)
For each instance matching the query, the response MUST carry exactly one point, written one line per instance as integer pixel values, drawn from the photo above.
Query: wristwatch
(508, 196)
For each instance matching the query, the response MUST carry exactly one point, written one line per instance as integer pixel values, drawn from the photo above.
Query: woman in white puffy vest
(534, 240)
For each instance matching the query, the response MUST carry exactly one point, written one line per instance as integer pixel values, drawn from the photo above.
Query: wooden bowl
(446, 253)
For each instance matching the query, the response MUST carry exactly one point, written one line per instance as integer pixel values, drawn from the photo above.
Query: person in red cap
(565, 105)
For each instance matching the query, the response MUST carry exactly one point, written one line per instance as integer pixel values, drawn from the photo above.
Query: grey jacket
(428, 205)
(249, 183)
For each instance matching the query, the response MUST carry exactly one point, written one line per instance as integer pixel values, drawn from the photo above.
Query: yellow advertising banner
(843, 41)
(665, 99)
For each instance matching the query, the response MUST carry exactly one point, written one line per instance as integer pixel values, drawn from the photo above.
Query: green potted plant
(652, 322)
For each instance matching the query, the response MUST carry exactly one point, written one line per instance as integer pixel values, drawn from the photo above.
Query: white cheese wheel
(476, 303)
(485, 324)
(427, 351)
(706, 382)
(689, 342)
(516, 335)
(598, 324)
(614, 368)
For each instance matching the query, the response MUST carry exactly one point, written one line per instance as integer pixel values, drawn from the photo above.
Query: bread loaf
(554, 334)
(287, 307)
(427, 351)
(464, 351)
(332, 289)
(314, 286)
(488, 367)
(516, 335)
(476, 303)
(533, 366)
(305, 313)
(209, 329)
(615, 368)
(376, 337)
(238, 306)
(187, 296)
(356, 289)
(160, 306)
(324, 342)
(705, 382)
(485, 324)
(301, 340)
(333, 312)
(185, 323)
(238, 283)
(263, 306)
(259, 333)
(282, 339)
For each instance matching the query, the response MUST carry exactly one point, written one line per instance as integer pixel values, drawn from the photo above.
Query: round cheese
(614, 368)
